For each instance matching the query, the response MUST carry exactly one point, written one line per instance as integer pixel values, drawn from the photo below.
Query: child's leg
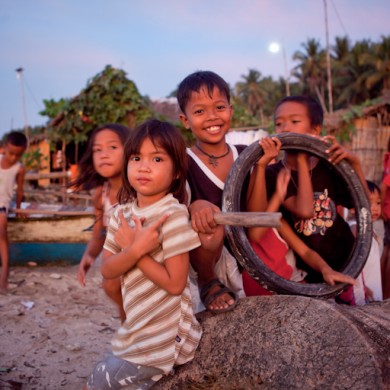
(385, 270)
(4, 252)
(114, 373)
(112, 287)
(203, 261)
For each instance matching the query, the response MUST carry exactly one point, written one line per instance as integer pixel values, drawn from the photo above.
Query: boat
(49, 234)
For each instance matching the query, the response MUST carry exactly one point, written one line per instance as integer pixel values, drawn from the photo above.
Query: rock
(293, 342)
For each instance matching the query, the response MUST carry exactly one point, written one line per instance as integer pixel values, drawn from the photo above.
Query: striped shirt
(160, 329)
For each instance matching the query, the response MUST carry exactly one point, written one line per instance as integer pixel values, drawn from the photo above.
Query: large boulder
(290, 342)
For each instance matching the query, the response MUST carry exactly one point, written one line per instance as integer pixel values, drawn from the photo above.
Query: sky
(61, 44)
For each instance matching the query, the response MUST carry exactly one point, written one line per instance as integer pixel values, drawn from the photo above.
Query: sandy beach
(53, 330)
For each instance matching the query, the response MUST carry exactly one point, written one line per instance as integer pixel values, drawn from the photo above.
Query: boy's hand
(282, 183)
(271, 147)
(202, 216)
(337, 152)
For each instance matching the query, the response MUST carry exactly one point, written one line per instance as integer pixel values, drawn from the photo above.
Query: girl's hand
(86, 263)
(141, 240)
(124, 236)
(331, 277)
(271, 147)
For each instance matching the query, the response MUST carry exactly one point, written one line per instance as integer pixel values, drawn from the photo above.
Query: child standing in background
(11, 172)
(385, 196)
(101, 169)
(147, 245)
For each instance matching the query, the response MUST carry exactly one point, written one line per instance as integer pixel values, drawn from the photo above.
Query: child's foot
(217, 298)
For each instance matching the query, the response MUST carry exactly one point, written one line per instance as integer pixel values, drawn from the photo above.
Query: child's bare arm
(170, 276)
(95, 245)
(256, 233)
(136, 242)
(20, 189)
(302, 204)
(257, 194)
(312, 258)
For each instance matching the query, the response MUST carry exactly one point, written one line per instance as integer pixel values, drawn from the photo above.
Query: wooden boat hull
(49, 240)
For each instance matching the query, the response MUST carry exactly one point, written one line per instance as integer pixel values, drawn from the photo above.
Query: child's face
(293, 117)
(375, 202)
(209, 118)
(107, 154)
(150, 173)
(12, 154)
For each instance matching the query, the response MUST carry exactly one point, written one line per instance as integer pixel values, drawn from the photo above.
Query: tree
(311, 71)
(252, 93)
(109, 97)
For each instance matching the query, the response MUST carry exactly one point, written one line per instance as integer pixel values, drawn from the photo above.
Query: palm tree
(251, 92)
(379, 76)
(311, 71)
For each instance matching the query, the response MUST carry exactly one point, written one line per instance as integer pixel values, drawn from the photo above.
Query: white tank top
(7, 183)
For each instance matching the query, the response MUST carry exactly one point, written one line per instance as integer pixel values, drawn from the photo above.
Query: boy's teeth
(213, 128)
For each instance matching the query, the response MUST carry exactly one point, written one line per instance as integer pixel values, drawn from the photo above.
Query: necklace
(213, 159)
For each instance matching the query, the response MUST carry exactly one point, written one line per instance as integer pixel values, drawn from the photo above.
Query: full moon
(274, 47)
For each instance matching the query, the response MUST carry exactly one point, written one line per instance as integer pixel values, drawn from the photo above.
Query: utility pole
(286, 73)
(328, 66)
(19, 75)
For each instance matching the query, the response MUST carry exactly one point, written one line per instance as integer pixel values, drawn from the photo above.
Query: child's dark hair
(314, 109)
(16, 138)
(372, 187)
(88, 178)
(167, 137)
(195, 81)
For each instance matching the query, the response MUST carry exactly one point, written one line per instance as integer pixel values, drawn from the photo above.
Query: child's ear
(184, 120)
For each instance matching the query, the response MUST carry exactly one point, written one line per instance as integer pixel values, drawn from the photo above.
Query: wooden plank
(247, 219)
(52, 212)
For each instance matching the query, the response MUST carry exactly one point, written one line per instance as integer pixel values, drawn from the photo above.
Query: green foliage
(109, 97)
(33, 160)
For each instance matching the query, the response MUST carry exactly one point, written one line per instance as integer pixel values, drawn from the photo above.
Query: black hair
(88, 178)
(195, 81)
(314, 109)
(372, 187)
(16, 138)
(169, 138)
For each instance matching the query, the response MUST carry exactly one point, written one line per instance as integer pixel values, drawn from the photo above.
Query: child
(204, 100)
(385, 195)
(271, 245)
(315, 221)
(101, 169)
(147, 246)
(368, 285)
(11, 172)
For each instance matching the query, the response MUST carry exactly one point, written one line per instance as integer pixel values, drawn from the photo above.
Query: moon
(274, 47)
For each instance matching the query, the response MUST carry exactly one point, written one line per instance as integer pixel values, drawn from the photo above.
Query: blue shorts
(114, 373)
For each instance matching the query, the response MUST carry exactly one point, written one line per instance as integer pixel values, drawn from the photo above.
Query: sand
(53, 331)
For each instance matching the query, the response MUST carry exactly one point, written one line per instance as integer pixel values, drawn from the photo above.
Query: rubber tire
(243, 250)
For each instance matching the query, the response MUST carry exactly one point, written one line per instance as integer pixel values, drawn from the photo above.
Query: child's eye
(113, 147)
(95, 150)
(221, 107)
(295, 121)
(157, 159)
(197, 112)
(134, 158)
